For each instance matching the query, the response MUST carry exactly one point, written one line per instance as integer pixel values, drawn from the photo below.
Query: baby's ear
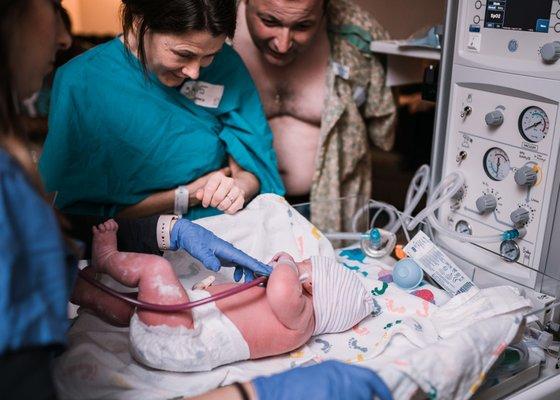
(308, 286)
(281, 254)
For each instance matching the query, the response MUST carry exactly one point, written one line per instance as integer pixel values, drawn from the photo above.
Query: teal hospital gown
(117, 135)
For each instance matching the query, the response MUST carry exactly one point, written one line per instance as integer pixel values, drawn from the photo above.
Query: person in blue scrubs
(166, 106)
(37, 267)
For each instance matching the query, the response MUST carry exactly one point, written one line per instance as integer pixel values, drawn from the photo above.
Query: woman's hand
(200, 183)
(162, 202)
(222, 192)
(227, 189)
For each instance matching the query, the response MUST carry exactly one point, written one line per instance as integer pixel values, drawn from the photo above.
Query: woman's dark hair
(218, 17)
(10, 10)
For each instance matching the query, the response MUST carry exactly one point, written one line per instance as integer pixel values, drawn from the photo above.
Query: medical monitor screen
(518, 15)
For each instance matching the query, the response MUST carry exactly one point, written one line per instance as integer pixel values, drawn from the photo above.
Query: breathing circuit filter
(378, 243)
(375, 243)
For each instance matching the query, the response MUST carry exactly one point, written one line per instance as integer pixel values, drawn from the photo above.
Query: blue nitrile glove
(332, 380)
(214, 252)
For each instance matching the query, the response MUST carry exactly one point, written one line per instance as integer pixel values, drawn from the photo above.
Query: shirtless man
(300, 300)
(291, 87)
(322, 151)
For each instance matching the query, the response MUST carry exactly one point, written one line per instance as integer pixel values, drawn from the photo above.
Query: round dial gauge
(533, 124)
(496, 164)
(463, 227)
(509, 250)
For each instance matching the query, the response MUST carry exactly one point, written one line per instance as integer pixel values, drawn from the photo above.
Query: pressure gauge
(509, 250)
(496, 164)
(463, 228)
(533, 124)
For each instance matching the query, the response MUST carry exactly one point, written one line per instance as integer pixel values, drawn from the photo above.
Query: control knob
(550, 52)
(519, 216)
(525, 176)
(486, 203)
(494, 118)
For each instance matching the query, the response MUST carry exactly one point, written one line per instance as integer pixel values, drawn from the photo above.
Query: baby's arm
(287, 299)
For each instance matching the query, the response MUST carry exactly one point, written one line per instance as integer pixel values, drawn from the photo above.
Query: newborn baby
(300, 300)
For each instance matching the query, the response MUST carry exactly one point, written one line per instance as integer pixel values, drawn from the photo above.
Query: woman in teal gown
(166, 105)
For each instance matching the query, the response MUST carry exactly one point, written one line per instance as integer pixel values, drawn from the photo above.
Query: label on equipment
(530, 146)
(438, 265)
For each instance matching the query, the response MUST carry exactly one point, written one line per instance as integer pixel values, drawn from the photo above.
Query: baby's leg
(105, 306)
(286, 297)
(153, 275)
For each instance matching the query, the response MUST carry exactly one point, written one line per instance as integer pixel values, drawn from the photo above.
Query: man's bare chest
(298, 92)
(298, 95)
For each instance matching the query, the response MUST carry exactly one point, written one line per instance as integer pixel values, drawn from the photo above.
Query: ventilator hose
(127, 297)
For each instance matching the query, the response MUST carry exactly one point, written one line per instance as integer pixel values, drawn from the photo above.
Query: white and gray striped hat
(340, 300)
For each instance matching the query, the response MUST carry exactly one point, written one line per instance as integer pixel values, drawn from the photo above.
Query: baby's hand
(222, 192)
(279, 255)
(284, 259)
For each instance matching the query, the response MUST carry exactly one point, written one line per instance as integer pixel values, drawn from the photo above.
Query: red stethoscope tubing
(127, 297)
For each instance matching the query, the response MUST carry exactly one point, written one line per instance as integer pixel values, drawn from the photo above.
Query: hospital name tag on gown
(203, 93)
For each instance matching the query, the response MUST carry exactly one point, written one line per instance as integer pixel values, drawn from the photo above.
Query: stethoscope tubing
(128, 298)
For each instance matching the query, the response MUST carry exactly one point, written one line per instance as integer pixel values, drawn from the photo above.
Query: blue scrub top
(117, 135)
(35, 274)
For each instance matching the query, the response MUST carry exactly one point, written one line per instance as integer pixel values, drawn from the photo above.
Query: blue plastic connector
(375, 238)
(510, 235)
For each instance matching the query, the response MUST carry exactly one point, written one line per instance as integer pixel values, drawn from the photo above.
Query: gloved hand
(214, 252)
(331, 380)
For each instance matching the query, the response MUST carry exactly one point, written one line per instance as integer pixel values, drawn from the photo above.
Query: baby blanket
(418, 340)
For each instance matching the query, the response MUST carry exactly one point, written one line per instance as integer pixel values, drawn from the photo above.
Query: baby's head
(340, 299)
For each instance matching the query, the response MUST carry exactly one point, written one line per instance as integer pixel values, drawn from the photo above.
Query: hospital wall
(403, 18)
(101, 16)
(94, 17)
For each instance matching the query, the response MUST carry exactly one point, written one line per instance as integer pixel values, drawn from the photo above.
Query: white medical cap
(340, 300)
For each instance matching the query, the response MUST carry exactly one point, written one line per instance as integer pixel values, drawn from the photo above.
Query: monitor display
(518, 15)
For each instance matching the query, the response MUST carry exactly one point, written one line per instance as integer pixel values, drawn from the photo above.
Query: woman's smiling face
(175, 58)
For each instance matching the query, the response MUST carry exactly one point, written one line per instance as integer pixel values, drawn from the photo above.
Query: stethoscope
(375, 243)
(132, 300)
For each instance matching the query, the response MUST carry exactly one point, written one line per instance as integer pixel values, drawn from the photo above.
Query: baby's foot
(104, 243)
